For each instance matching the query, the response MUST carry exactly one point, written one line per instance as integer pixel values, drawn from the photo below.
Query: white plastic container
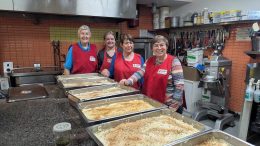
(257, 92)
(192, 95)
(61, 133)
(249, 95)
(195, 56)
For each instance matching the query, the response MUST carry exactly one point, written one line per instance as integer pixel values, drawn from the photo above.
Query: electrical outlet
(36, 65)
(8, 67)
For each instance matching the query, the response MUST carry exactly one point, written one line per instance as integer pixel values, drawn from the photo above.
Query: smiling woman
(125, 63)
(163, 76)
(82, 56)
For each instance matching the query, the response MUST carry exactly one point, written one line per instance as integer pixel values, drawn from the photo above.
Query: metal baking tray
(97, 103)
(80, 83)
(165, 111)
(218, 134)
(79, 76)
(74, 100)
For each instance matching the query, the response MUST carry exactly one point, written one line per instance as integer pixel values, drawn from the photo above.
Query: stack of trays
(208, 138)
(77, 96)
(158, 127)
(103, 110)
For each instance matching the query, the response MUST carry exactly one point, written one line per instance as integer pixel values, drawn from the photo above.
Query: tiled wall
(25, 43)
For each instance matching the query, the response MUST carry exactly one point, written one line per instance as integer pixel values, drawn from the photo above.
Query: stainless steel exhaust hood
(97, 8)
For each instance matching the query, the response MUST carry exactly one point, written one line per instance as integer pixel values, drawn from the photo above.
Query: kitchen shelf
(159, 3)
(253, 54)
(206, 25)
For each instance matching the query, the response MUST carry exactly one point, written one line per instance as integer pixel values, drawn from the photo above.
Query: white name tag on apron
(92, 58)
(109, 60)
(162, 71)
(137, 65)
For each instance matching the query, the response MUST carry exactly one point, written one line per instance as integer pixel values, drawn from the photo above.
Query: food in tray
(152, 131)
(116, 109)
(85, 83)
(214, 142)
(81, 77)
(100, 93)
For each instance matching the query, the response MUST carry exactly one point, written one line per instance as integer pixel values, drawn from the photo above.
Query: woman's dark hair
(159, 38)
(124, 37)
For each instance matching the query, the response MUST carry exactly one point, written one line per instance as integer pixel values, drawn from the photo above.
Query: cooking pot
(175, 21)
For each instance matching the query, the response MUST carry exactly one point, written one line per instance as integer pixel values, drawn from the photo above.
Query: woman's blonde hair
(109, 33)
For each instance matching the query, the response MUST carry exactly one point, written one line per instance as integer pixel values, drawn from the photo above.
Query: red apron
(156, 78)
(106, 61)
(84, 61)
(125, 69)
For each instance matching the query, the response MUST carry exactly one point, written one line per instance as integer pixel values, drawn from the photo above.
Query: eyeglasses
(159, 45)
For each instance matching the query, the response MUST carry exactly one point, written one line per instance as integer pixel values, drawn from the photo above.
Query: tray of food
(212, 138)
(160, 127)
(102, 110)
(99, 92)
(62, 78)
(80, 83)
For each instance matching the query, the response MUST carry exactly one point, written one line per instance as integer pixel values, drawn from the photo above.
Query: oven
(142, 46)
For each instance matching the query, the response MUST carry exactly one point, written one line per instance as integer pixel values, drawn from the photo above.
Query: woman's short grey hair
(83, 27)
(160, 38)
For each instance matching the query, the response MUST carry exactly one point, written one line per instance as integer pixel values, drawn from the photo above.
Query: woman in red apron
(82, 56)
(105, 55)
(163, 76)
(125, 63)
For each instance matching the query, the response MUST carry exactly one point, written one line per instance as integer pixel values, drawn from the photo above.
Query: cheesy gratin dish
(85, 83)
(214, 142)
(116, 109)
(100, 93)
(154, 131)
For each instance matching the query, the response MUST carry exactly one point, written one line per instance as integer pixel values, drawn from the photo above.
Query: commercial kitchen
(217, 43)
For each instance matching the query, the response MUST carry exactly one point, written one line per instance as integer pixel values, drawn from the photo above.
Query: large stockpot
(175, 21)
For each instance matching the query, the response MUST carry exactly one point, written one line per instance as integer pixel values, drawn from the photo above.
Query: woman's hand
(105, 72)
(123, 82)
(173, 104)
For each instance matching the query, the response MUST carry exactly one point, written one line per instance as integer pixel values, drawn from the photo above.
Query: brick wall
(25, 43)
(234, 50)
(145, 22)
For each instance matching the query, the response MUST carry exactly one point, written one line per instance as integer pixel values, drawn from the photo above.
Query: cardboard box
(191, 73)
